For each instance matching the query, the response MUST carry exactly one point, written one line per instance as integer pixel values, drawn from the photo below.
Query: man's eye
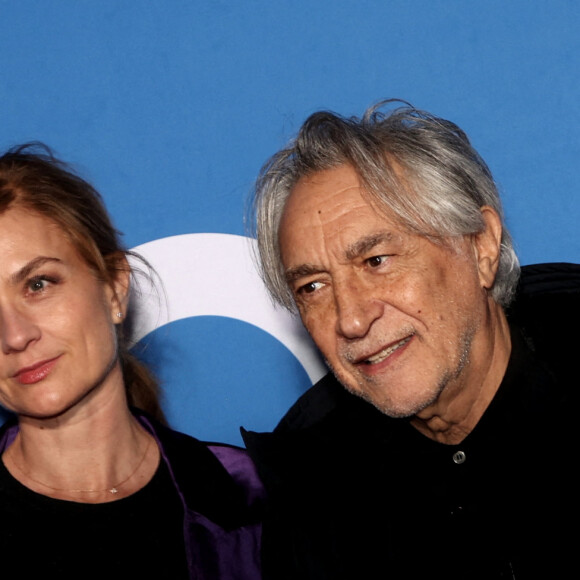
(309, 288)
(376, 261)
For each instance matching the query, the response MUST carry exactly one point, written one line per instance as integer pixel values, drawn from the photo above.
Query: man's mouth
(386, 352)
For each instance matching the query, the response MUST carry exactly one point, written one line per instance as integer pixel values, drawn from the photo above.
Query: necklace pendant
(113, 490)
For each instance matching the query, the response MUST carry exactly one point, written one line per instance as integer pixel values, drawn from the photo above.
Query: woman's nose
(17, 330)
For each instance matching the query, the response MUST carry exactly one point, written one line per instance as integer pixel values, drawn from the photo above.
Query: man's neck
(464, 401)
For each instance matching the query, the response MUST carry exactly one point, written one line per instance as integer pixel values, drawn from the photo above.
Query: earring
(119, 315)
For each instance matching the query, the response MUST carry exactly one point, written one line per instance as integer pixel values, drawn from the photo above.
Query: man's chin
(401, 409)
(395, 411)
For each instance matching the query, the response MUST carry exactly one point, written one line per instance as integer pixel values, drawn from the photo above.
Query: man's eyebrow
(293, 274)
(366, 244)
(354, 250)
(27, 269)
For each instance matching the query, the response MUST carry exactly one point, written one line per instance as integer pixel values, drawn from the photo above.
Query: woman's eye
(37, 284)
(376, 261)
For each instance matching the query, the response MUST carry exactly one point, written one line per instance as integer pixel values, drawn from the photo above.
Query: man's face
(399, 318)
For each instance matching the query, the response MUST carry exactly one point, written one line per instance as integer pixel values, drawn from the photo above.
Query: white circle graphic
(214, 275)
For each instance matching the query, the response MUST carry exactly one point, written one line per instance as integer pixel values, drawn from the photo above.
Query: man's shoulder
(326, 419)
(314, 405)
(323, 405)
(549, 288)
(546, 307)
(306, 416)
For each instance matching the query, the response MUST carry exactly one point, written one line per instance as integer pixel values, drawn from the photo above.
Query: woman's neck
(93, 454)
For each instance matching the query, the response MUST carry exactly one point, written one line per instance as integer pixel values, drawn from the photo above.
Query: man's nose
(356, 309)
(17, 330)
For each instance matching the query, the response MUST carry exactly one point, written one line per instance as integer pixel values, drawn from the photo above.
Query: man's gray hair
(443, 185)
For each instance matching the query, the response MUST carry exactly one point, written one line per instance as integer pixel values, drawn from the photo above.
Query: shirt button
(459, 457)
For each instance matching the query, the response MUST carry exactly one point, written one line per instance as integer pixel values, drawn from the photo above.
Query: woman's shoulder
(216, 479)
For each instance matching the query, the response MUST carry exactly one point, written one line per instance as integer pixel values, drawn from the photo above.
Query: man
(449, 452)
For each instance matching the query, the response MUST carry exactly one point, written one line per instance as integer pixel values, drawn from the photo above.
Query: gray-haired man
(447, 453)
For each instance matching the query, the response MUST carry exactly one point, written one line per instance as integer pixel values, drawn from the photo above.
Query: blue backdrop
(170, 107)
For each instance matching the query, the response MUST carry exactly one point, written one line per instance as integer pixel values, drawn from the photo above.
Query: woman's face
(57, 321)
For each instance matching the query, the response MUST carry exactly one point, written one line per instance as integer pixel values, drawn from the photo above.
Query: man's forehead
(348, 228)
(337, 197)
(333, 180)
(323, 196)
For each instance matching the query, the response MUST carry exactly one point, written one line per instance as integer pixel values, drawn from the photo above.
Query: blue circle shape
(219, 373)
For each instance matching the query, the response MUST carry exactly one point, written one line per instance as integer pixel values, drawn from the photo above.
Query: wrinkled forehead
(330, 212)
(334, 209)
(332, 199)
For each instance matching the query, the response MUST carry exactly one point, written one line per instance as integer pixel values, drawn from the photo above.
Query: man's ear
(120, 286)
(487, 244)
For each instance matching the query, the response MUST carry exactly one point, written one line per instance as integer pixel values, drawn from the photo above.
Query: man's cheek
(320, 328)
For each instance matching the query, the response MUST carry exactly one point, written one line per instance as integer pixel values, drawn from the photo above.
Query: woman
(90, 485)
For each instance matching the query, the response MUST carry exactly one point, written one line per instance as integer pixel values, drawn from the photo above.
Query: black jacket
(355, 494)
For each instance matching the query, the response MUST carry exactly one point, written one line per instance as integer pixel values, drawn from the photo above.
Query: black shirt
(356, 494)
(140, 536)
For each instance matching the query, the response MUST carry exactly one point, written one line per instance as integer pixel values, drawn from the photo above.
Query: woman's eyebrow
(28, 268)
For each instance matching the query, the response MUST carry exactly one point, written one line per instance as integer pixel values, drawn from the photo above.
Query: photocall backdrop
(170, 107)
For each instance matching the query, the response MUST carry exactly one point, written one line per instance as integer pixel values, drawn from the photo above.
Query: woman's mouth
(36, 372)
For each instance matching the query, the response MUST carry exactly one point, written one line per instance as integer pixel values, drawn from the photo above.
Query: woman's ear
(120, 286)
(487, 245)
